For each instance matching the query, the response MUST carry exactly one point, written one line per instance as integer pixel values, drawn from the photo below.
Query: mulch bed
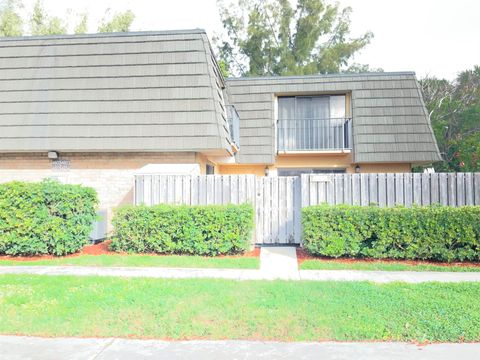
(102, 249)
(303, 255)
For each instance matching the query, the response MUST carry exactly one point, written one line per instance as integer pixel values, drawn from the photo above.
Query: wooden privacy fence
(278, 200)
(194, 190)
(452, 189)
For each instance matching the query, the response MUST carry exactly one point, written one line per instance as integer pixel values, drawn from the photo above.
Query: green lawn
(381, 266)
(145, 260)
(221, 309)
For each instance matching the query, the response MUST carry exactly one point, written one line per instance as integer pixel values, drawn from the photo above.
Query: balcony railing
(234, 124)
(314, 134)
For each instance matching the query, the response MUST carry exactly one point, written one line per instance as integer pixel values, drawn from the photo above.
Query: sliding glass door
(311, 122)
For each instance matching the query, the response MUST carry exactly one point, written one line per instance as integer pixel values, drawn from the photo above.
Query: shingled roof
(145, 91)
(390, 122)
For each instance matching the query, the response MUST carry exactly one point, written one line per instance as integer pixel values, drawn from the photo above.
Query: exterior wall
(110, 174)
(319, 161)
(390, 122)
(327, 161)
(253, 169)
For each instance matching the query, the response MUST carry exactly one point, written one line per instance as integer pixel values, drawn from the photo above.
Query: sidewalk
(276, 263)
(19, 347)
(247, 274)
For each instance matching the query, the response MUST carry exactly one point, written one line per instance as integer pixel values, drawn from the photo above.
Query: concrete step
(279, 261)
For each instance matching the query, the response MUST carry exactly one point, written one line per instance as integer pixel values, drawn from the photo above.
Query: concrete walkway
(247, 274)
(18, 347)
(279, 262)
(275, 263)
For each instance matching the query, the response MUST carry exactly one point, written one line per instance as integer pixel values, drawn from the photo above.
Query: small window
(300, 171)
(210, 169)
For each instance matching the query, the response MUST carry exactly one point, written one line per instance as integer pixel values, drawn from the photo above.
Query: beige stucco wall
(326, 161)
(258, 170)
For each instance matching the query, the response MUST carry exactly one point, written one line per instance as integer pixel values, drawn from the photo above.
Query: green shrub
(45, 218)
(434, 232)
(173, 229)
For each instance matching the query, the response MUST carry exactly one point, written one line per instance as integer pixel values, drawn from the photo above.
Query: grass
(145, 260)
(382, 266)
(222, 309)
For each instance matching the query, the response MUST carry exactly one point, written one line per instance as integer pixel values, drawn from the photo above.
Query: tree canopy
(11, 22)
(120, 22)
(40, 23)
(454, 108)
(270, 37)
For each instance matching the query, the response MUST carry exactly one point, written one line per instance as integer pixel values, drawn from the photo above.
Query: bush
(45, 218)
(173, 229)
(434, 232)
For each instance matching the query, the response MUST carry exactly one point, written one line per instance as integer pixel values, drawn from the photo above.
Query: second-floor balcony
(328, 134)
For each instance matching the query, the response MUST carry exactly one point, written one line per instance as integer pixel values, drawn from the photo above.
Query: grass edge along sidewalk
(137, 260)
(249, 310)
(379, 265)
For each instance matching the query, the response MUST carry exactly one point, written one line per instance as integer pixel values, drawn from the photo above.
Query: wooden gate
(278, 210)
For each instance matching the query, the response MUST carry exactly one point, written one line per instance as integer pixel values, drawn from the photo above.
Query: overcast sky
(434, 37)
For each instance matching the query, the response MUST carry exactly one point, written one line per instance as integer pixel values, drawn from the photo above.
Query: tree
(270, 37)
(454, 109)
(120, 22)
(42, 24)
(82, 26)
(11, 23)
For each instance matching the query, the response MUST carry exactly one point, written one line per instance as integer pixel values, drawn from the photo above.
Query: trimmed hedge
(45, 218)
(438, 233)
(181, 229)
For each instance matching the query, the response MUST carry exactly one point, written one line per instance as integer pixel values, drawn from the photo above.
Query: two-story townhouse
(93, 109)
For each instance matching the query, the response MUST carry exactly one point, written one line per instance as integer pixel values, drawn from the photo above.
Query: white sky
(434, 37)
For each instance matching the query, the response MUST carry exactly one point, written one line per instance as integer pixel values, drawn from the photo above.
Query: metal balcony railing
(234, 124)
(314, 134)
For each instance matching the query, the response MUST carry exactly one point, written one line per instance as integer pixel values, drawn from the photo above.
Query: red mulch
(303, 255)
(102, 249)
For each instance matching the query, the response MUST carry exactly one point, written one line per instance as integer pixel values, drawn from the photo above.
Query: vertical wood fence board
(390, 189)
(356, 189)
(425, 189)
(460, 189)
(267, 206)
(347, 195)
(399, 189)
(297, 210)
(372, 189)
(305, 193)
(434, 189)
(282, 210)
(452, 190)
(275, 210)
(408, 193)
(443, 188)
(476, 188)
(259, 210)
(417, 189)
(469, 190)
(289, 201)
(382, 189)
